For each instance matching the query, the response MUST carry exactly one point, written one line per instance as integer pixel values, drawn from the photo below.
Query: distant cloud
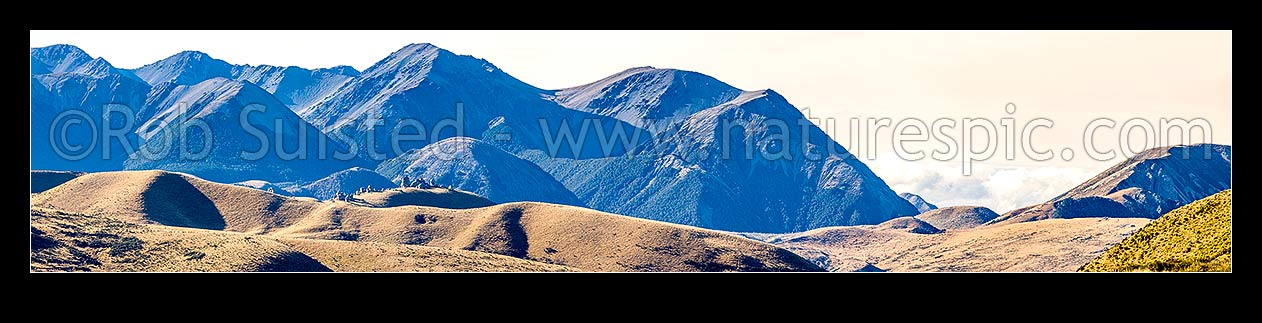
(961, 188)
(1001, 188)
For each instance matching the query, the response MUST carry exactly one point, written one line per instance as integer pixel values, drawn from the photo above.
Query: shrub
(124, 245)
(194, 255)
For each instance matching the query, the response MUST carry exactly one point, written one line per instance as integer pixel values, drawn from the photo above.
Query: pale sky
(1069, 77)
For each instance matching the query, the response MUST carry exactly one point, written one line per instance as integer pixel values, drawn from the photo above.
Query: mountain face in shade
(755, 176)
(475, 166)
(428, 84)
(917, 201)
(1146, 185)
(219, 104)
(64, 79)
(295, 86)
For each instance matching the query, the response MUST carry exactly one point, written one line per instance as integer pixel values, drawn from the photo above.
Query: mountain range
(317, 178)
(647, 142)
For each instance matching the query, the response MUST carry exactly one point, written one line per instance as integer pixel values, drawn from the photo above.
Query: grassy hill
(434, 196)
(64, 241)
(1195, 237)
(958, 217)
(573, 237)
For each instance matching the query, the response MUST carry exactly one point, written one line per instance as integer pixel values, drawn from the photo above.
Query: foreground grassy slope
(1195, 237)
(64, 241)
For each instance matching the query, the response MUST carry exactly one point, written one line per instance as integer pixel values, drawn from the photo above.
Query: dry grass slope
(908, 224)
(63, 241)
(564, 235)
(389, 257)
(958, 217)
(1195, 237)
(1048, 245)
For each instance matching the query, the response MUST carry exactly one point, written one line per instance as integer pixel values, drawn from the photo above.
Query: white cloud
(998, 187)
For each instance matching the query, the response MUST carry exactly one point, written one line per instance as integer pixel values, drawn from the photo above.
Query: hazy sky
(1069, 77)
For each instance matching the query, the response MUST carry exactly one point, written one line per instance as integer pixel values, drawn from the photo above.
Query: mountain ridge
(695, 170)
(1146, 185)
(919, 202)
(219, 105)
